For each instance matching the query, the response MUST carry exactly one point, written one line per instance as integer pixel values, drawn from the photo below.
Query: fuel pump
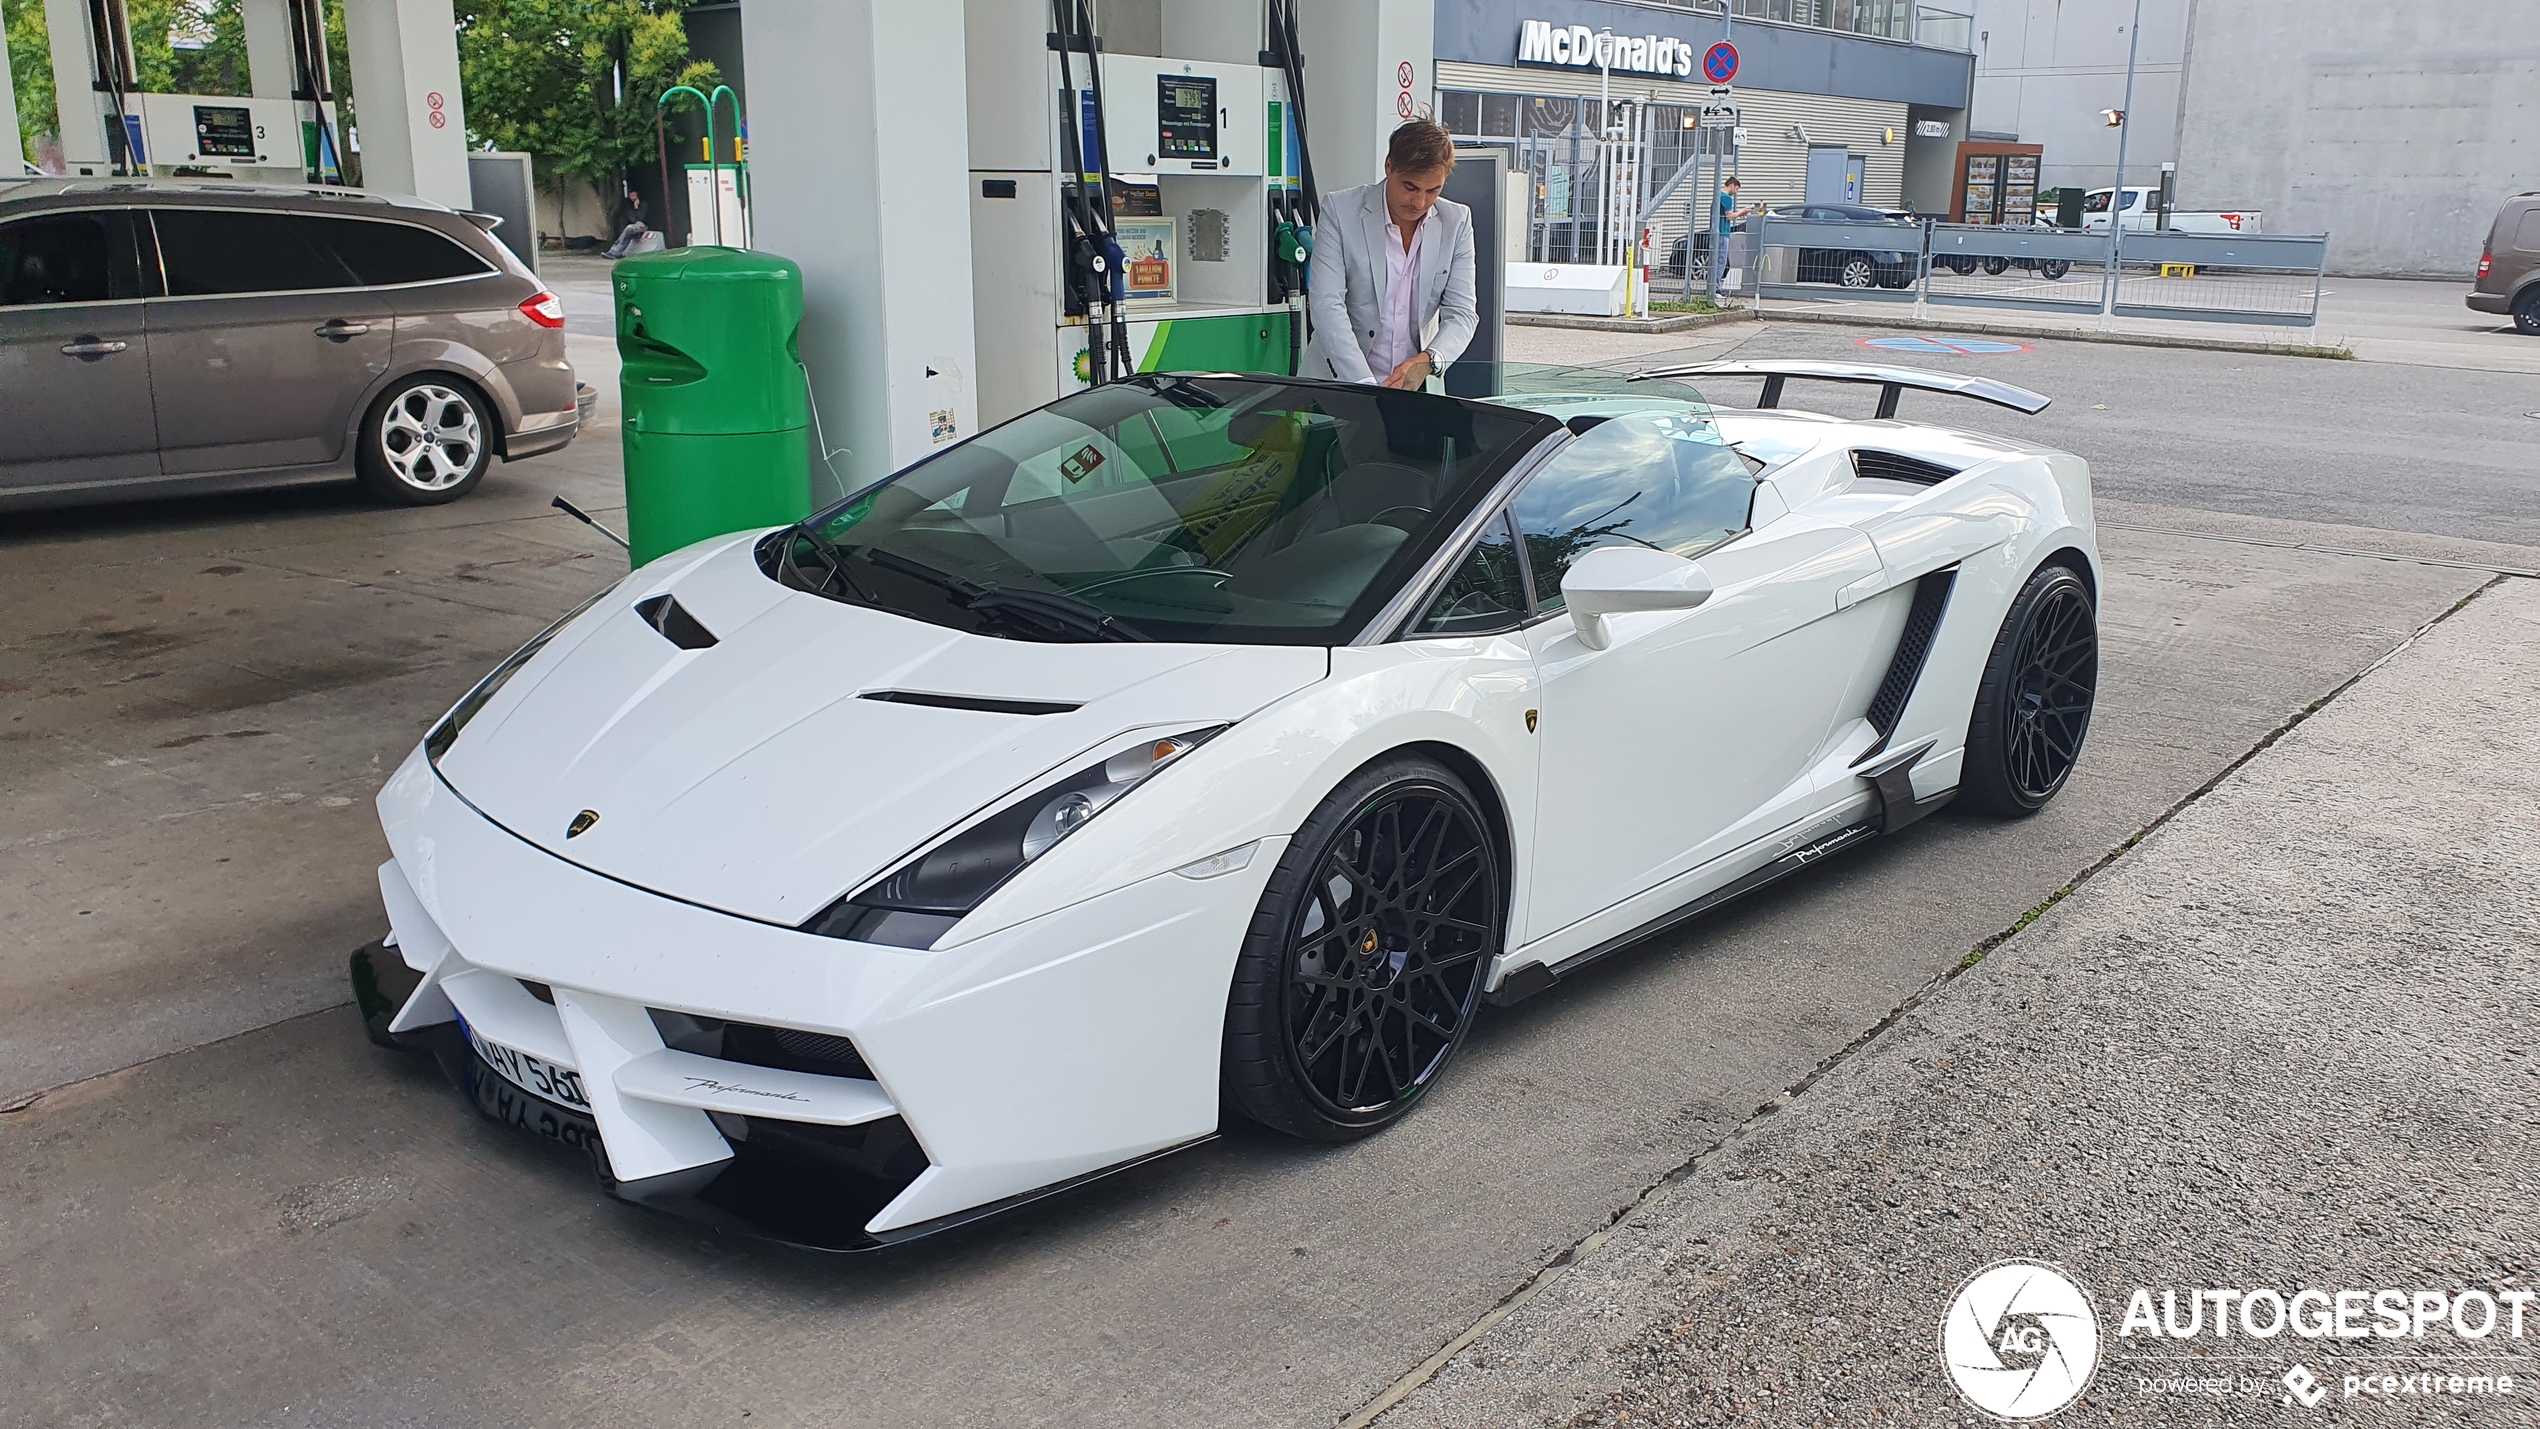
(1097, 283)
(1293, 210)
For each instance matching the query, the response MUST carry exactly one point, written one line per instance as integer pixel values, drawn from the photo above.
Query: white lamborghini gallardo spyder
(1195, 745)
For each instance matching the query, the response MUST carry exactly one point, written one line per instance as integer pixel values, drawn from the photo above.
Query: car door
(1661, 748)
(74, 359)
(263, 344)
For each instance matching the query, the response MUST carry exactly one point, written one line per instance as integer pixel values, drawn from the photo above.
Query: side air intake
(1922, 622)
(1888, 466)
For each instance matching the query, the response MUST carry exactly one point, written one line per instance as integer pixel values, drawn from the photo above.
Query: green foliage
(30, 67)
(573, 82)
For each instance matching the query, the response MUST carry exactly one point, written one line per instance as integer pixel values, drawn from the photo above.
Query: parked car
(1245, 735)
(1995, 265)
(2509, 264)
(2141, 206)
(195, 336)
(1844, 267)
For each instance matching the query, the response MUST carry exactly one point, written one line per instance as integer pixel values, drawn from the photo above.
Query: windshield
(2098, 202)
(1214, 509)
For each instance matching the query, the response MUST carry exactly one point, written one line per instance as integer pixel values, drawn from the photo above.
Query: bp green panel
(1234, 342)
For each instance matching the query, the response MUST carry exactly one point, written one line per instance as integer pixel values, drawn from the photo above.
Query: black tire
(2054, 269)
(1857, 272)
(2527, 312)
(1963, 267)
(2033, 705)
(1996, 267)
(426, 441)
(1415, 923)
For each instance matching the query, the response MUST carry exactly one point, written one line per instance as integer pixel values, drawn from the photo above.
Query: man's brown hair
(1421, 146)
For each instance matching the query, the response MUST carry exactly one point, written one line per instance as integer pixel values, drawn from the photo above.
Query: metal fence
(2236, 278)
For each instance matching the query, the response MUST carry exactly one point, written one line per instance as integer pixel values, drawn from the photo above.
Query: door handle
(91, 347)
(339, 329)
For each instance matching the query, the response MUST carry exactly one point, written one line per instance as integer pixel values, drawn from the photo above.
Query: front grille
(1888, 466)
(787, 1049)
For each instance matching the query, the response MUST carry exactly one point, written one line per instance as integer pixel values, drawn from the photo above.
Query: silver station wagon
(162, 338)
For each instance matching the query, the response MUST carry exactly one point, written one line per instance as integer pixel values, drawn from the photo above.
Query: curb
(2338, 352)
(1673, 322)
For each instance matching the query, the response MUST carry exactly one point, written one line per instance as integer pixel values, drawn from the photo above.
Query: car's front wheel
(426, 441)
(1363, 966)
(1857, 272)
(2033, 705)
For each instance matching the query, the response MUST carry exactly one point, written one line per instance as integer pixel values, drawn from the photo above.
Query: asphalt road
(273, 1222)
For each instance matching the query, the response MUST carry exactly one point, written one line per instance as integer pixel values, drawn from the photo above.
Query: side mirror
(1613, 579)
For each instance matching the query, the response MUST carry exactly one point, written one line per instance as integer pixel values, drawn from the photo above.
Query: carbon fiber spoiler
(1891, 381)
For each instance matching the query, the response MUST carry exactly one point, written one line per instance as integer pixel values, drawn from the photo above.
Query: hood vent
(665, 614)
(981, 703)
(1888, 466)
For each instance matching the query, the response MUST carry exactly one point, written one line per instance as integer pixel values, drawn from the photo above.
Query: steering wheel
(1128, 576)
(1378, 519)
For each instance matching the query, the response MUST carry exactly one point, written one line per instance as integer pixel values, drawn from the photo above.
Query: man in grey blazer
(1391, 284)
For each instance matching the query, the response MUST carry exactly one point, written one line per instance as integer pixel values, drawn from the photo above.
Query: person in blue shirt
(1730, 212)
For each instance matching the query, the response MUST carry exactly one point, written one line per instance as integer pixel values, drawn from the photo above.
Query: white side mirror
(1612, 579)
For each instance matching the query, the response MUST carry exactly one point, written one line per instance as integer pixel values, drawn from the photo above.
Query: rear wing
(1891, 381)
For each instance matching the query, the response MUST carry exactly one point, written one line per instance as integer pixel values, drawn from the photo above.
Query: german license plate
(533, 1075)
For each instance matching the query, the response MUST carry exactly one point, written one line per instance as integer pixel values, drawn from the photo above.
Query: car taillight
(2485, 262)
(544, 309)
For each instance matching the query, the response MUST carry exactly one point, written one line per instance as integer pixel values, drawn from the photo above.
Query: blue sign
(1719, 63)
(1944, 346)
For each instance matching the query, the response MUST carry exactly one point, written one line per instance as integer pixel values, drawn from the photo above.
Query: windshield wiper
(1046, 610)
(830, 556)
(1066, 611)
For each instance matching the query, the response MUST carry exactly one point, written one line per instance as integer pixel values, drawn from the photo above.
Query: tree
(573, 82)
(30, 68)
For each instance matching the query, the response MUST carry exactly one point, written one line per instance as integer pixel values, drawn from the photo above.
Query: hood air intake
(981, 703)
(665, 614)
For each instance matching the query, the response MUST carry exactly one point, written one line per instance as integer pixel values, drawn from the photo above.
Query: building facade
(2047, 72)
(1850, 75)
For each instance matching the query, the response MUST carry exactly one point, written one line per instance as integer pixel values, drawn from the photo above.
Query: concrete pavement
(2284, 1042)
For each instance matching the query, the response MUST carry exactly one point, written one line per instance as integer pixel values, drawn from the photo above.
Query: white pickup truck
(2141, 209)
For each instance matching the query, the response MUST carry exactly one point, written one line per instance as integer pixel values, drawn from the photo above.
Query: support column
(859, 171)
(406, 75)
(269, 68)
(83, 124)
(1356, 53)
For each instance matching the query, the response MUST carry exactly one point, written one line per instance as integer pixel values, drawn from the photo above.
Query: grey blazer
(1346, 283)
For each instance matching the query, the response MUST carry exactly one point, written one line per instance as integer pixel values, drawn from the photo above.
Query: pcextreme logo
(2020, 1340)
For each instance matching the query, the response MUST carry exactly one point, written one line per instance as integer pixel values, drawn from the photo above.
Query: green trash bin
(716, 417)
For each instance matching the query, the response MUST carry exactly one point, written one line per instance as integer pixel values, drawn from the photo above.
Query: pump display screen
(1185, 117)
(222, 131)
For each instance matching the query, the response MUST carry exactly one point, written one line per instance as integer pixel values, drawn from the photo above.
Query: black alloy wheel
(2033, 706)
(2054, 269)
(2527, 312)
(1363, 967)
(1995, 267)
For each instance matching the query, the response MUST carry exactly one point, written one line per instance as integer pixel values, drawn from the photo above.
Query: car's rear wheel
(2033, 704)
(1857, 272)
(1996, 267)
(426, 441)
(2527, 312)
(1963, 267)
(2053, 269)
(1363, 967)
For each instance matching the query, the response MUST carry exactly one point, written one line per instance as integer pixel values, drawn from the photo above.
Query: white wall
(2395, 129)
(2046, 68)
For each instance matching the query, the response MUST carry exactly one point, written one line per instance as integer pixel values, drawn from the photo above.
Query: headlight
(446, 733)
(923, 897)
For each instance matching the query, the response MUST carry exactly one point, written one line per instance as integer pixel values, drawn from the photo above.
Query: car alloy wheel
(1364, 966)
(2033, 705)
(1858, 273)
(1996, 267)
(431, 438)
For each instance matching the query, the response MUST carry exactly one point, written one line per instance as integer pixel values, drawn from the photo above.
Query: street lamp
(2116, 192)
